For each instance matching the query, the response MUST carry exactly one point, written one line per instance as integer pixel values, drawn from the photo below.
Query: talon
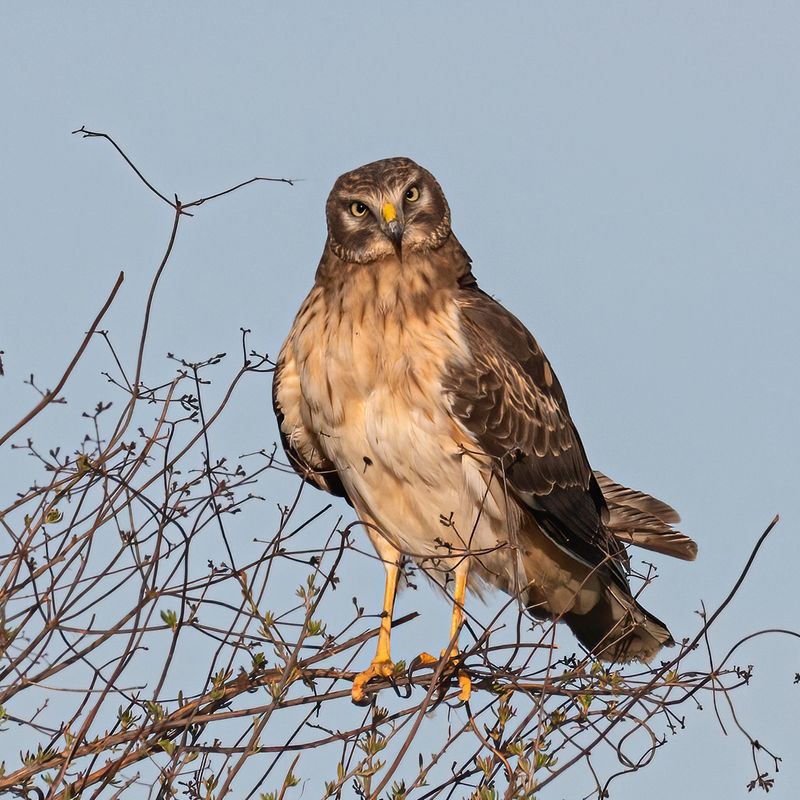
(465, 682)
(377, 669)
(427, 660)
(423, 660)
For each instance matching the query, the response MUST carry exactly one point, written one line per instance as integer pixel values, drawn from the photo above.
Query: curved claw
(383, 668)
(427, 660)
(465, 682)
(423, 660)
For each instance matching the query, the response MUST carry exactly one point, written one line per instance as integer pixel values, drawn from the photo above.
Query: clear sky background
(626, 177)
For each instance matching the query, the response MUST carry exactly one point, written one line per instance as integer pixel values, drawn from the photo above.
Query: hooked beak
(394, 227)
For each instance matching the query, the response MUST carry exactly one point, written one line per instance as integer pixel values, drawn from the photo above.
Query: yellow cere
(388, 212)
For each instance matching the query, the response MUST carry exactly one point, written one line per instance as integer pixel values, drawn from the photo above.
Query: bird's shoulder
(497, 335)
(506, 391)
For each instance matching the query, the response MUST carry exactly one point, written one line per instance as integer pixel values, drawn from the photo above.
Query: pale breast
(370, 380)
(371, 386)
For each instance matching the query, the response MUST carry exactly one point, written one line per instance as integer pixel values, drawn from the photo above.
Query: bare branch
(164, 628)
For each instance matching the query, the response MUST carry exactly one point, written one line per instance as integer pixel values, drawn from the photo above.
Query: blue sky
(626, 177)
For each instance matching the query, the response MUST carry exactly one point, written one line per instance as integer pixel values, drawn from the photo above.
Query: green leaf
(170, 618)
(167, 745)
(53, 516)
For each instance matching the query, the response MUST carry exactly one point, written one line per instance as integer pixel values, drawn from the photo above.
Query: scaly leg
(381, 666)
(459, 595)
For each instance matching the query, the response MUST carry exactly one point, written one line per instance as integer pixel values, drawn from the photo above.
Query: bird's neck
(419, 283)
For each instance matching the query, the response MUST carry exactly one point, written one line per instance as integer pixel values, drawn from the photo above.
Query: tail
(637, 518)
(618, 629)
(594, 601)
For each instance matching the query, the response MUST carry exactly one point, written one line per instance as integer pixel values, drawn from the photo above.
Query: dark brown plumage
(407, 390)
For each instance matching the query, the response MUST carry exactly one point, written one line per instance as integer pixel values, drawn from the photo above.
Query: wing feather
(508, 398)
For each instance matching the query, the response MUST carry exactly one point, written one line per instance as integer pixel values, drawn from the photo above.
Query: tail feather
(637, 518)
(618, 629)
(597, 606)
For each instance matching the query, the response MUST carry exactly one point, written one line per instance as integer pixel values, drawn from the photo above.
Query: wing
(299, 443)
(637, 518)
(511, 403)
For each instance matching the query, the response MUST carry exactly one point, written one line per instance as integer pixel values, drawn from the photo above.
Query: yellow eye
(412, 194)
(358, 209)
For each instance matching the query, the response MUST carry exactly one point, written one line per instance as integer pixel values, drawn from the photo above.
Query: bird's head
(387, 208)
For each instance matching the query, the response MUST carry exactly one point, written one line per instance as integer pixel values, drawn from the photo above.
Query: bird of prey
(410, 392)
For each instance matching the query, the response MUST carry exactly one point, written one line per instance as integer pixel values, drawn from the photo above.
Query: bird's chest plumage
(369, 363)
(371, 387)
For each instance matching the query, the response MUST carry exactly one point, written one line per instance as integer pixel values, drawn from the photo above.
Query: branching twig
(162, 626)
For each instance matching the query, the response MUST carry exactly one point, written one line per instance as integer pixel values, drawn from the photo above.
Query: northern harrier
(407, 390)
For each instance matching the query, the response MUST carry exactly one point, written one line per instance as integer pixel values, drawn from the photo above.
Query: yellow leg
(381, 666)
(459, 595)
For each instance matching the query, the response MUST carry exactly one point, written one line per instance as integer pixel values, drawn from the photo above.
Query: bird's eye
(357, 208)
(412, 194)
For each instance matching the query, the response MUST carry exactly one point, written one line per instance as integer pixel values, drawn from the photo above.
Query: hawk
(410, 392)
